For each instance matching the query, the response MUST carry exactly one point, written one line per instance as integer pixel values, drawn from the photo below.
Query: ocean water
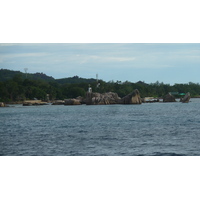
(151, 129)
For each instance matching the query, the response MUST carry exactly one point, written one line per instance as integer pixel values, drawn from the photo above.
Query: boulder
(2, 104)
(69, 102)
(186, 98)
(58, 102)
(81, 99)
(169, 98)
(34, 103)
(27, 104)
(132, 98)
(112, 98)
(102, 99)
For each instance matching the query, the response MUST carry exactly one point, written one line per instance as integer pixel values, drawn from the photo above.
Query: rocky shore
(34, 103)
(93, 98)
(170, 98)
(112, 98)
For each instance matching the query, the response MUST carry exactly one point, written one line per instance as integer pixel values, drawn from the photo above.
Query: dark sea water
(156, 129)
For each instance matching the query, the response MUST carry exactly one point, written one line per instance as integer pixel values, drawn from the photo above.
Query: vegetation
(6, 74)
(16, 86)
(75, 79)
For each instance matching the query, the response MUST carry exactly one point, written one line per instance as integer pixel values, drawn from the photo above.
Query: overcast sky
(150, 62)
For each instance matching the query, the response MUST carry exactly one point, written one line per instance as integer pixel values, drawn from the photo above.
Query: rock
(132, 98)
(27, 104)
(81, 99)
(2, 104)
(69, 102)
(186, 98)
(58, 102)
(112, 98)
(102, 99)
(169, 98)
(150, 100)
(143, 100)
(34, 103)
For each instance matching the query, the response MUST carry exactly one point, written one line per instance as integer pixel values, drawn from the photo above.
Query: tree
(12, 89)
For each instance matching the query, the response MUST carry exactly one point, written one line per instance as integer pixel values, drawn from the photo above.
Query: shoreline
(51, 103)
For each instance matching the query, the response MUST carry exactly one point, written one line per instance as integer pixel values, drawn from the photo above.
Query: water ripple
(115, 130)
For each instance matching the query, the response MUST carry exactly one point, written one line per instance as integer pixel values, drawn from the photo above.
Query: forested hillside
(6, 74)
(18, 87)
(75, 79)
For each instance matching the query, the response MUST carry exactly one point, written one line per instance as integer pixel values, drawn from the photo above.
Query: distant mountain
(75, 79)
(40, 76)
(6, 74)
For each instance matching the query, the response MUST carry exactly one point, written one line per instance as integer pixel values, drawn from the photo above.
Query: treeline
(19, 88)
(6, 74)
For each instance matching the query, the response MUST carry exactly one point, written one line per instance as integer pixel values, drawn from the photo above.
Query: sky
(149, 62)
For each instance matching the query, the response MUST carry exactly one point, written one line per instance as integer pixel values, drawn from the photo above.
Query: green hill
(75, 79)
(6, 74)
(18, 86)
